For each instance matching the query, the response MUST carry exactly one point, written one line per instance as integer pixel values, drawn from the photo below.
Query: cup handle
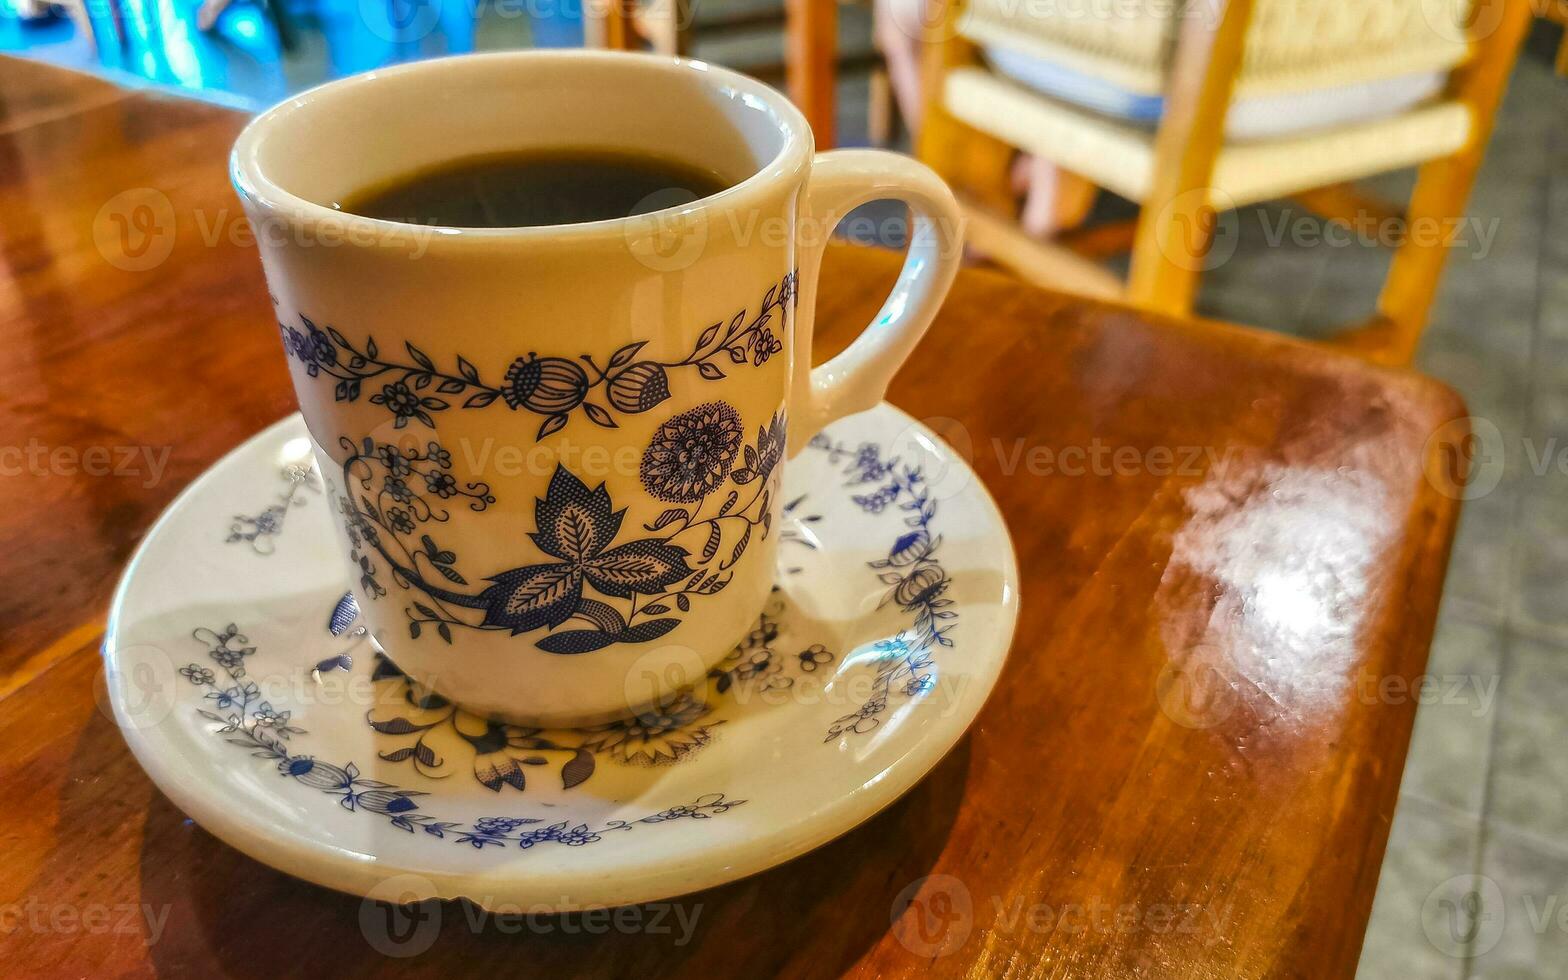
(857, 379)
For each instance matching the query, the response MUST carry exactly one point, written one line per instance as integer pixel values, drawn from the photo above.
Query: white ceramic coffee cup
(556, 450)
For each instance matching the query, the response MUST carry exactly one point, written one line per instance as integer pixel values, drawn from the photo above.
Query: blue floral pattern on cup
(916, 584)
(600, 583)
(410, 385)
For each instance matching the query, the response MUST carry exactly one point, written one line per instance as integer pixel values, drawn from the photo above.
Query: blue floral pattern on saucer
(244, 719)
(916, 581)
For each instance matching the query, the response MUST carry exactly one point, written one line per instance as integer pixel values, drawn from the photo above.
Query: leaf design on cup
(615, 592)
(525, 599)
(575, 525)
(409, 383)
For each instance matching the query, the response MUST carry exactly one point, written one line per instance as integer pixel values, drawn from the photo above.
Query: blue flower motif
(230, 659)
(919, 685)
(267, 717)
(918, 583)
(259, 728)
(813, 657)
(393, 459)
(401, 520)
(578, 526)
(438, 455)
(892, 647)
(237, 696)
(765, 346)
(398, 490)
(402, 402)
(690, 454)
(910, 548)
(578, 836)
(533, 837)
(498, 825)
(197, 674)
(876, 503)
(269, 521)
(440, 484)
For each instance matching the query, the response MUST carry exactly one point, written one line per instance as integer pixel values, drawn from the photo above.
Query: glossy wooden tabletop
(1231, 551)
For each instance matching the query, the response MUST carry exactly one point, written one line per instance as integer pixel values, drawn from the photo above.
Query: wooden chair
(1556, 11)
(810, 45)
(1185, 171)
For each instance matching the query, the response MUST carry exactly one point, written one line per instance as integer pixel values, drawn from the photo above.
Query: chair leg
(665, 24)
(610, 25)
(811, 60)
(880, 109)
(1443, 186)
(967, 159)
(1556, 11)
(1169, 252)
(974, 162)
(1075, 197)
(1176, 222)
(1057, 200)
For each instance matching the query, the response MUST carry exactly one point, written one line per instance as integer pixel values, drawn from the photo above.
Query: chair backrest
(1291, 45)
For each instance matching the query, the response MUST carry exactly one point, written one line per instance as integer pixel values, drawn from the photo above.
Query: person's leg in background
(1052, 198)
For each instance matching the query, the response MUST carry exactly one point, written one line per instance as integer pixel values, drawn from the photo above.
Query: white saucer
(250, 696)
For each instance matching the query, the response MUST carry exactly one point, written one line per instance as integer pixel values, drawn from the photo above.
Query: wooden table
(1231, 559)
